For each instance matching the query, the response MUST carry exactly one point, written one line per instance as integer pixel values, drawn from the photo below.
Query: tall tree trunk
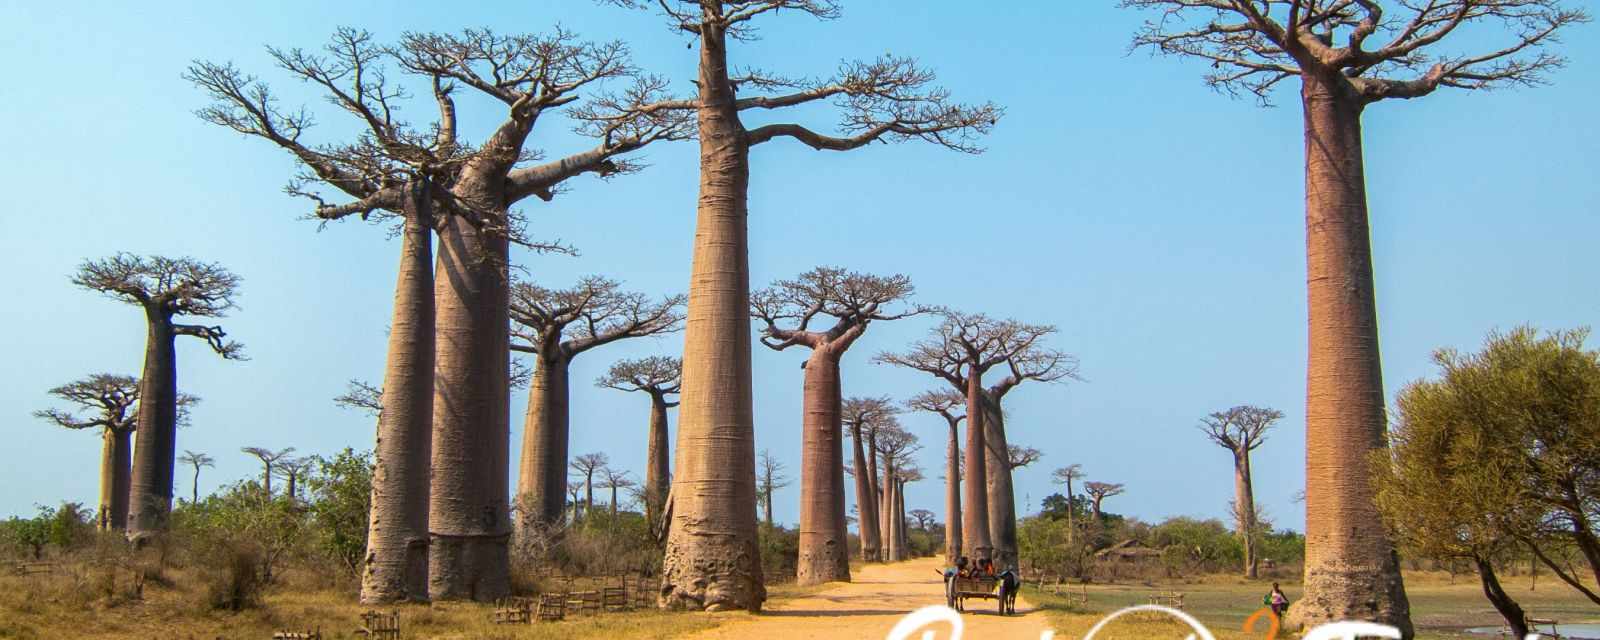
(195, 497)
(824, 536)
(866, 500)
(711, 558)
(114, 460)
(588, 492)
(1096, 506)
(397, 531)
(1352, 571)
(1245, 503)
(155, 450)
(657, 472)
(975, 522)
(266, 480)
(880, 542)
(1071, 507)
(900, 519)
(1002, 498)
(952, 496)
(542, 478)
(886, 514)
(613, 505)
(467, 519)
(1508, 608)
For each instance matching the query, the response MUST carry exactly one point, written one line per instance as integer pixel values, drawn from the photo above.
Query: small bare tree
(770, 476)
(556, 325)
(787, 309)
(861, 416)
(164, 288)
(269, 459)
(614, 479)
(467, 193)
(946, 403)
(891, 100)
(1349, 55)
(1066, 476)
(1240, 430)
(659, 377)
(1098, 492)
(587, 465)
(112, 402)
(960, 351)
(196, 460)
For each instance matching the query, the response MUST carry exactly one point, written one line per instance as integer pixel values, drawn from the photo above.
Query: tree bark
(1245, 503)
(1352, 569)
(542, 478)
(975, 522)
(397, 530)
(1002, 498)
(1508, 608)
(824, 538)
(467, 519)
(891, 543)
(711, 559)
(195, 497)
(658, 474)
(952, 496)
(155, 450)
(880, 542)
(115, 458)
(866, 500)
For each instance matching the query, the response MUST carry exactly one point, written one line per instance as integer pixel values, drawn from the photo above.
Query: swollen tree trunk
(467, 519)
(1515, 617)
(156, 446)
(1002, 498)
(975, 517)
(824, 536)
(1245, 502)
(711, 557)
(952, 496)
(542, 481)
(657, 473)
(1352, 571)
(115, 456)
(397, 531)
(866, 500)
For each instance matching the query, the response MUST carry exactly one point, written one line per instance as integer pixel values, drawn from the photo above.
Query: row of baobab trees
(447, 376)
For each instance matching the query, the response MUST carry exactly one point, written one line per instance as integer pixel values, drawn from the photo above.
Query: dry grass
(1440, 608)
(66, 605)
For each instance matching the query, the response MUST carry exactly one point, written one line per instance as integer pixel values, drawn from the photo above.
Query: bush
(341, 499)
(233, 583)
(780, 553)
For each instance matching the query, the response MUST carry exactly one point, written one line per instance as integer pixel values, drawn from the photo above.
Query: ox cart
(1002, 589)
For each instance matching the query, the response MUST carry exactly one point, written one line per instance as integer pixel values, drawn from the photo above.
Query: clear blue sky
(1158, 224)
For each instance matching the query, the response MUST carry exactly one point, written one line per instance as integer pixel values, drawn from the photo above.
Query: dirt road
(870, 606)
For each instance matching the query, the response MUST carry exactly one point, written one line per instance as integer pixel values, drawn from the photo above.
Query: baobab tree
(291, 470)
(924, 519)
(945, 403)
(1066, 476)
(770, 476)
(269, 460)
(468, 191)
(895, 447)
(787, 308)
(614, 479)
(890, 99)
(659, 377)
(112, 401)
(904, 475)
(164, 288)
(1098, 492)
(196, 460)
(1240, 430)
(1018, 457)
(862, 416)
(586, 466)
(960, 351)
(1349, 55)
(555, 326)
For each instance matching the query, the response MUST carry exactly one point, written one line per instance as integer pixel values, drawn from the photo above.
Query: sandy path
(870, 606)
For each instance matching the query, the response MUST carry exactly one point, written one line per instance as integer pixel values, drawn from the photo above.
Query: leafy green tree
(340, 497)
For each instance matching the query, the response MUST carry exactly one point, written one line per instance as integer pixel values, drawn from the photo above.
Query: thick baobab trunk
(1245, 503)
(542, 478)
(467, 521)
(866, 500)
(886, 515)
(975, 517)
(115, 456)
(156, 448)
(952, 496)
(1352, 571)
(1002, 498)
(266, 480)
(1515, 617)
(397, 531)
(588, 493)
(657, 473)
(711, 557)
